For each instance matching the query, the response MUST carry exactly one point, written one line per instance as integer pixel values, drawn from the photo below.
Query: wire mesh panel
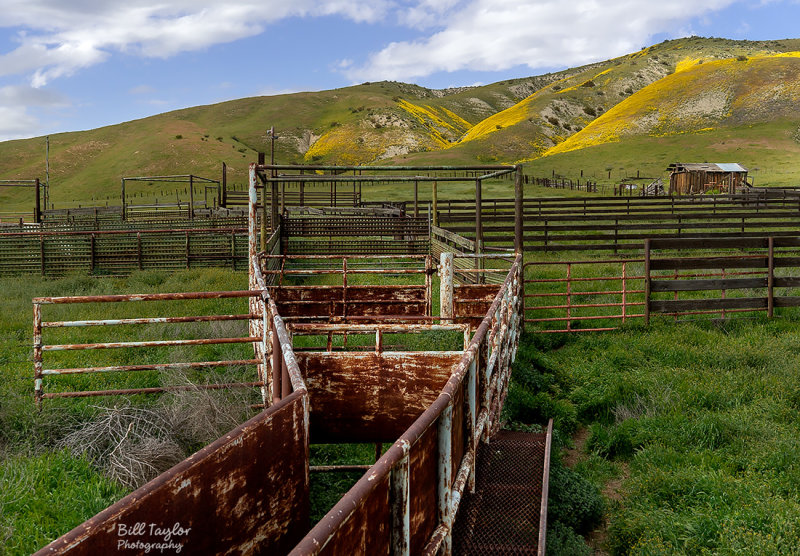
(502, 515)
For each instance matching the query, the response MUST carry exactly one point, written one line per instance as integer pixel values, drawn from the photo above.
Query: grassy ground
(45, 487)
(690, 428)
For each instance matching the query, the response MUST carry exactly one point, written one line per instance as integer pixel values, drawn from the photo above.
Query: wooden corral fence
(619, 224)
(722, 277)
(743, 281)
(54, 253)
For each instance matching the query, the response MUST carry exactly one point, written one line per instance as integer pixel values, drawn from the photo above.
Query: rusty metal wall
(472, 301)
(327, 303)
(246, 493)
(371, 397)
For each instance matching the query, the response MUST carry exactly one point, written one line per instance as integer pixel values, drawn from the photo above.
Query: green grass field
(692, 430)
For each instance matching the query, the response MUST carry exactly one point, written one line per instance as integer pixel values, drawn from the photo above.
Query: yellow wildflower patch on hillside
(687, 63)
(505, 118)
(435, 120)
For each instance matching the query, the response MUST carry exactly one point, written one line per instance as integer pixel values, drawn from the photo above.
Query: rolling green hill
(690, 99)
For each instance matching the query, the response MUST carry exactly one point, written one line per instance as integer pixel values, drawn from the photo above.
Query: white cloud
(16, 102)
(488, 35)
(64, 37)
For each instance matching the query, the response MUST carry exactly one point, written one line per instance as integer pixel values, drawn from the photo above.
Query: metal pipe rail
(40, 348)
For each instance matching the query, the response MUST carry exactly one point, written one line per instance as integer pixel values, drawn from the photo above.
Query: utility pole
(47, 172)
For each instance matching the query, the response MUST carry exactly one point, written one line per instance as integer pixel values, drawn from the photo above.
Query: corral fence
(59, 383)
(434, 407)
(720, 277)
(55, 253)
(620, 224)
(341, 231)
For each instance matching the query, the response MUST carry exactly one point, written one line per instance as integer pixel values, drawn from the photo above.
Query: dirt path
(597, 539)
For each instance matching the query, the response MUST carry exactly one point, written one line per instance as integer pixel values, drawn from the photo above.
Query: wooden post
(479, 227)
(519, 212)
(435, 204)
(223, 192)
(647, 281)
(37, 209)
(771, 278)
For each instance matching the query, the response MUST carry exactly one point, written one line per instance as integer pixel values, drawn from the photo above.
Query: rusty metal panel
(423, 488)
(367, 531)
(471, 302)
(327, 302)
(371, 397)
(245, 493)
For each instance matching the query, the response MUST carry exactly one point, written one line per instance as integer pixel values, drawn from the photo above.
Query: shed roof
(706, 167)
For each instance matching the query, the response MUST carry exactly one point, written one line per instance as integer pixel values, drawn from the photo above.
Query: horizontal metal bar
(152, 367)
(146, 297)
(567, 294)
(338, 468)
(312, 328)
(157, 390)
(154, 320)
(592, 317)
(154, 343)
(64, 233)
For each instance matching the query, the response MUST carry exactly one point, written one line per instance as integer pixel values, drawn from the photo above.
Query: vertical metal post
(428, 286)
(222, 192)
(187, 249)
(647, 281)
(268, 390)
(252, 232)
(624, 292)
(569, 296)
(274, 206)
(400, 502)
(416, 199)
(91, 253)
(37, 355)
(446, 309)
(445, 476)
(277, 387)
(771, 278)
(139, 248)
(519, 214)
(41, 252)
(124, 202)
(471, 417)
(479, 227)
(191, 197)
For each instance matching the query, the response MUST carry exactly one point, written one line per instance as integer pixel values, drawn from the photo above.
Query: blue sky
(81, 64)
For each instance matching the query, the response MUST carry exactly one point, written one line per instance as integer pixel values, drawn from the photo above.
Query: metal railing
(40, 348)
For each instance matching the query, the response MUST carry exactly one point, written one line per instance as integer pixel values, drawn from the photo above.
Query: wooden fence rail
(721, 277)
(615, 224)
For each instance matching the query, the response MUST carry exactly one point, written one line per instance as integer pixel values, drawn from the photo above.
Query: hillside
(691, 98)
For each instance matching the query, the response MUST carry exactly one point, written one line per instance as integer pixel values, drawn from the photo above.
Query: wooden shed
(699, 178)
